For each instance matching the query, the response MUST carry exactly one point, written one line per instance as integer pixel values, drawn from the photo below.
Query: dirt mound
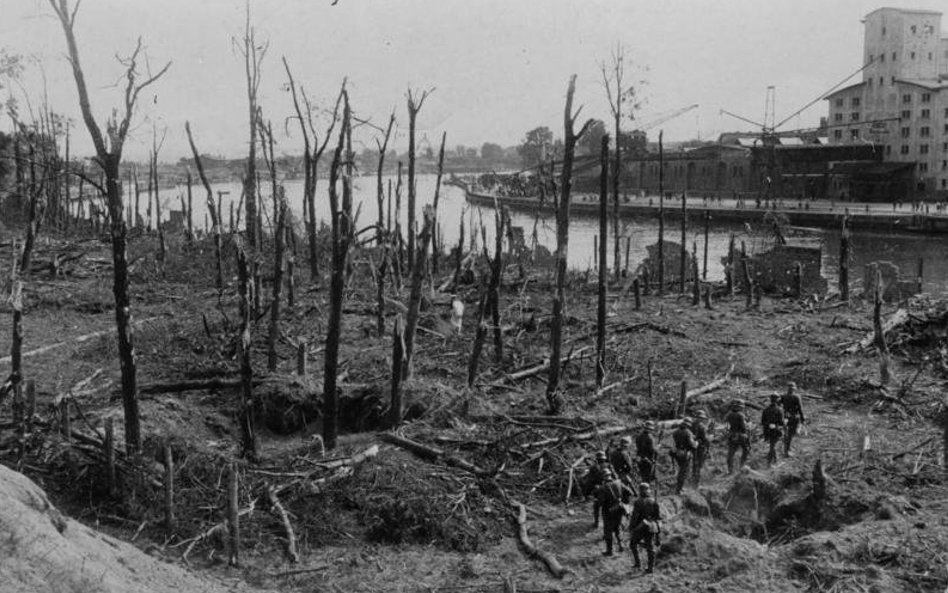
(41, 550)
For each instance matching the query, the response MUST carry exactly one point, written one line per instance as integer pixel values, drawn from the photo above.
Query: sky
(498, 67)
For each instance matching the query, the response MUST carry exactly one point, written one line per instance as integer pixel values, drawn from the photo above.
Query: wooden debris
(430, 453)
(896, 320)
(552, 564)
(291, 547)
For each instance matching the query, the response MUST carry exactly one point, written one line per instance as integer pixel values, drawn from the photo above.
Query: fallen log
(708, 387)
(430, 453)
(552, 564)
(897, 319)
(291, 548)
(545, 366)
(583, 436)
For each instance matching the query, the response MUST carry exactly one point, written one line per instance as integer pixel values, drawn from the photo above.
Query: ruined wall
(775, 270)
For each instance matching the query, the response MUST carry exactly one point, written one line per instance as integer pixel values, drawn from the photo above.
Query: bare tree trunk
(707, 230)
(397, 241)
(190, 209)
(562, 247)
(248, 437)
(459, 254)
(414, 106)
(435, 230)
(683, 267)
(603, 230)
(212, 208)
(414, 299)
(661, 215)
(279, 250)
(480, 334)
(161, 232)
(341, 237)
(398, 360)
(881, 346)
(502, 222)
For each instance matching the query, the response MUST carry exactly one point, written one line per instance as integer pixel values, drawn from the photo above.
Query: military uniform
(644, 526)
(594, 478)
(771, 423)
(793, 410)
(737, 436)
(621, 459)
(700, 429)
(612, 495)
(647, 452)
(685, 446)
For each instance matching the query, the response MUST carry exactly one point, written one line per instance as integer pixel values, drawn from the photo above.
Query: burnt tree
(603, 268)
(212, 208)
(415, 104)
(341, 239)
(108, 158)
(562, 244)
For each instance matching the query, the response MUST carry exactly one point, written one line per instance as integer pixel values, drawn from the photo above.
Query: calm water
(903, 250)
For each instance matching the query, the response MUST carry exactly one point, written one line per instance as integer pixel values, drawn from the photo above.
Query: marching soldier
(700, 429)
(771, 423)
(621, 459)
(793, 410)
(737, 436)
(645, 525)
(613, 496)
(685, 446)
(647, 452)
(594, 478)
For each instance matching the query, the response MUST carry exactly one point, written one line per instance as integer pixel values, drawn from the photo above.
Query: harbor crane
(639, 135)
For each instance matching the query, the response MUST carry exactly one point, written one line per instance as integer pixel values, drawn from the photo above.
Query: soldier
(592, 480)
(612, 495)
(645, 525)
(621, 459)
(646, 451)
(771, 423)
(737, 437)
(700, 429)
(793, 409)
(685, 446)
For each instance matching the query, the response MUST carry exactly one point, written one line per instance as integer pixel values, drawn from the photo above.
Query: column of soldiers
(611, 483)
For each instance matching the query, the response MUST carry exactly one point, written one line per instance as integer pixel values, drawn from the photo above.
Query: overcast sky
(499, 67)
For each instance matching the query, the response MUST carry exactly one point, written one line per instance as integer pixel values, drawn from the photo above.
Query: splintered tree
(211, 208)
(253, 54)
(618, 95)
(342, 234)
(603, 232)
(381, 232)
(312, 152)
(108, 149)
(562, 242)
(414, 106)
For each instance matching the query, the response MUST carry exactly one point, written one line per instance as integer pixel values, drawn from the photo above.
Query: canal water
(904, 250)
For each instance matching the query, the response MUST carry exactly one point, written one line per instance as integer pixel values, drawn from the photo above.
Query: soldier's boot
(618, 542)
(744, 454)
(635, 555)
(608, 551)
(651, 559)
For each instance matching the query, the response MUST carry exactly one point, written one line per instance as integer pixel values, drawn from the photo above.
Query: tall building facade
(902, 101)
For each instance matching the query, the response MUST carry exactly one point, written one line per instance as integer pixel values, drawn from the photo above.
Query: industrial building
(901, 103)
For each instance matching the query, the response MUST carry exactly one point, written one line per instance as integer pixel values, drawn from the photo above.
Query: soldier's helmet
(791, 386)
(737, 404)
(626, 440)
(701, 415)
(774, 397)
(601, 456)
(686, 421)
(608, 474)
(645, 488)
(649, 425)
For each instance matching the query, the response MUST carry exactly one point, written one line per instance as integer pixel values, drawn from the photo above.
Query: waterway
(904, 250)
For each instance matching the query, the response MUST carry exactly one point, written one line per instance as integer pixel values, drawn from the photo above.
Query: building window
(946, 128)
(883, 31)
(904, 149)
(892, 82)
(944, 183)
(855, 102)
(839, 102)
(888, 150)
(854, 116)
(926, 114)
(914, 29)
(912, 55)
(944, 165)
(893, 56)
(838, 117)
(882, 57)
(926, 97)
(925, 132)
(837, 134)
(881, 81)
(869, 80)
(923, 167)
(906, 115)
(929, 56)
(944, 147)
(906, 132)
(854, 134)
(946, 112)
(922, 149)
